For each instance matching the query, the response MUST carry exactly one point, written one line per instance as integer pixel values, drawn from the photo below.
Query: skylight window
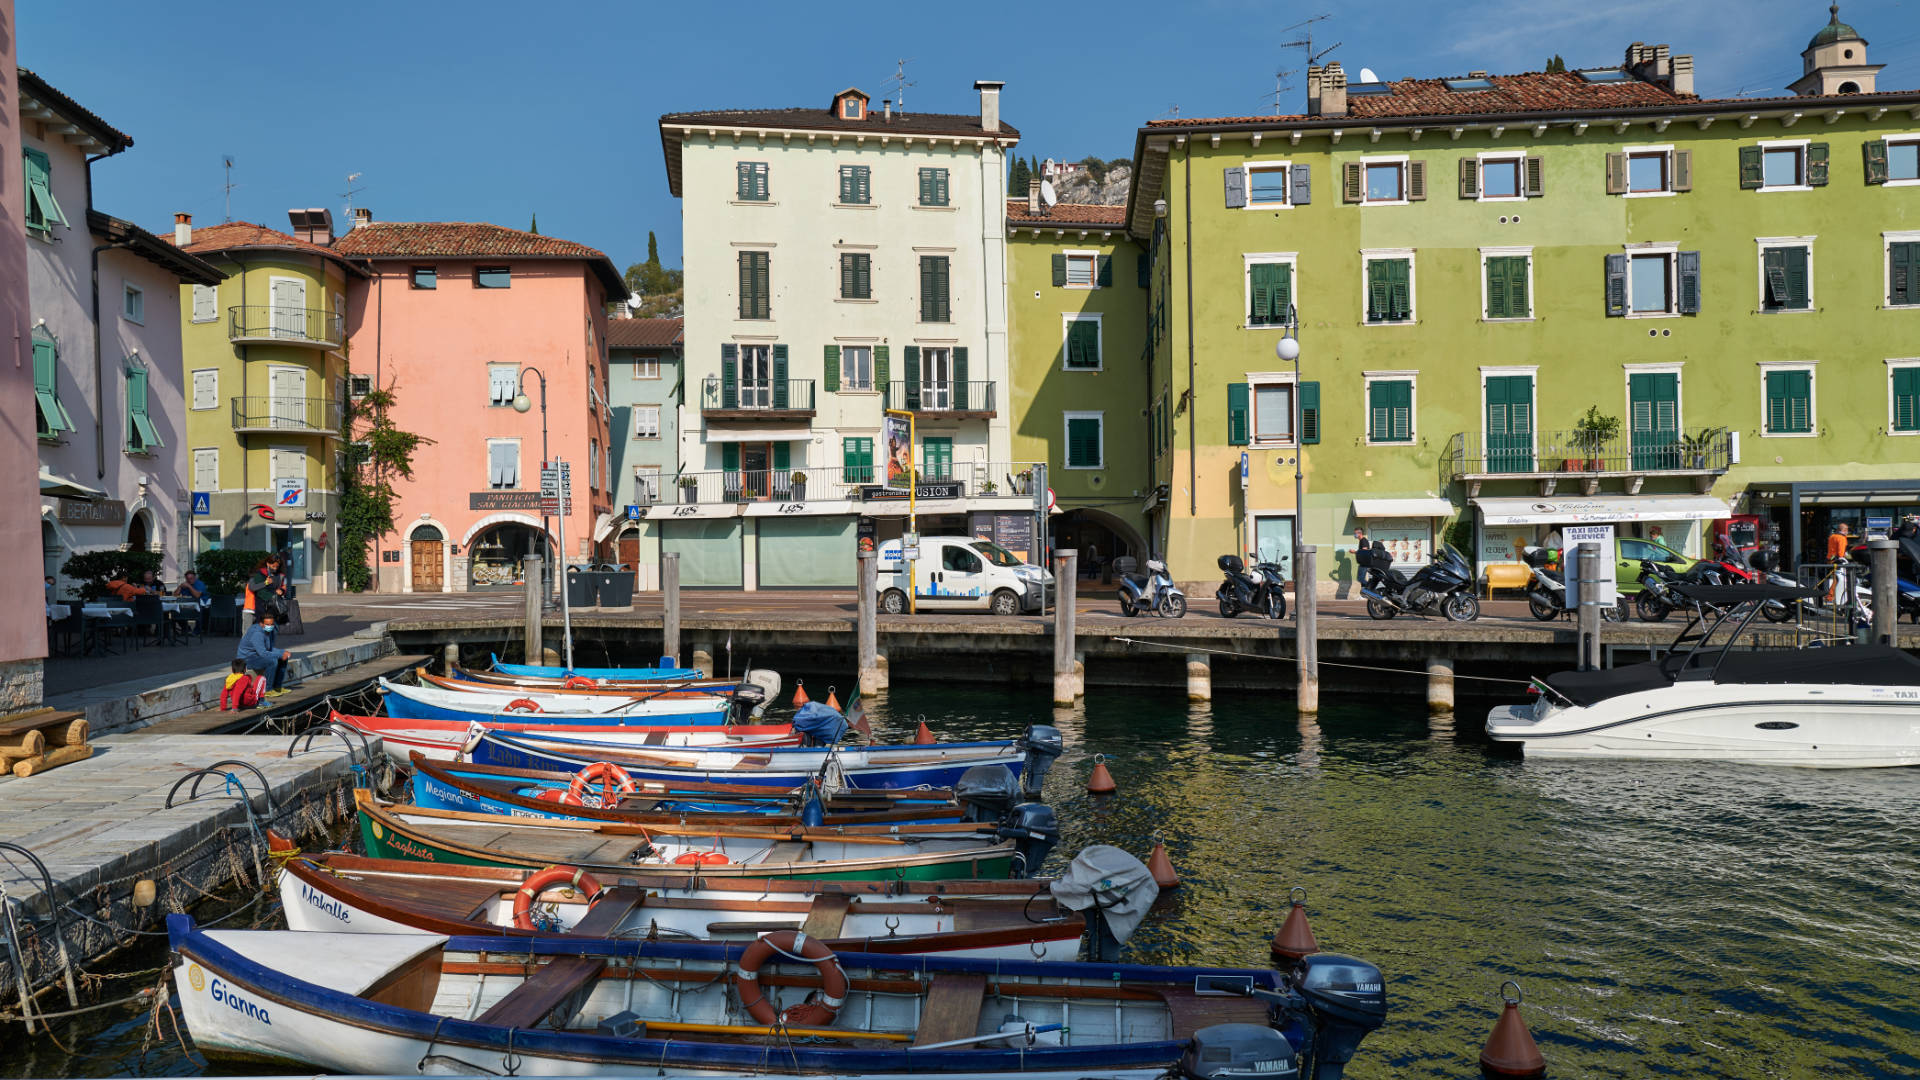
(1369, 88)
(1606, 75)
(1468, 84)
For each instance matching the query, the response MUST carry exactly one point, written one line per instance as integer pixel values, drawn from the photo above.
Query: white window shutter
(205, 301)
(206, 389)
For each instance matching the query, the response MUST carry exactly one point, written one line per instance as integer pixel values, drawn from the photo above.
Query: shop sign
(1503, 543)
(94, 512)
(1607, 589)
(1408, 540)
(1879, 528)
(1014, 532)
(936, 489)
(503, 500)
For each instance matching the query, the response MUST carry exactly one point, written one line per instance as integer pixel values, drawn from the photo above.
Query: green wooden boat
(910, 853)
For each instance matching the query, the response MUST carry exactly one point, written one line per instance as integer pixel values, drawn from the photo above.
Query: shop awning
(55, 486)
(1408, 508)
(1600, 509)
(604, 525)
(761, 433)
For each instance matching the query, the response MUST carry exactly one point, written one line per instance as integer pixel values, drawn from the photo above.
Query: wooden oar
(802, 1032)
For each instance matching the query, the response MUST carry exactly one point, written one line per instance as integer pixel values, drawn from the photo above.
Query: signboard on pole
(202, 504)
(290, 492)
(1607, 588)
(896, 441)
(556, 490)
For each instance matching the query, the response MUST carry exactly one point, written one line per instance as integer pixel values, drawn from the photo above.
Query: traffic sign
(291, 492)
(202, 504)
(633, 512)
(1052, 503)
(556, 490)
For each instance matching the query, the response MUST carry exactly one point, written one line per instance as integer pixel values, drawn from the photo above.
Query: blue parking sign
(202, 504)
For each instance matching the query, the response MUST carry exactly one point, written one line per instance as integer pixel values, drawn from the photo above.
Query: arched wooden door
(426, 549)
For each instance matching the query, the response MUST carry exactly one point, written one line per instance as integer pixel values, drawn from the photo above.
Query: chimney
(1333, 91)
(1654, 64)
(1683, 74)
(886, 109)
(1316, 78)
(1476, 74)
(312, 225)
(362, 216)
(1034, 207)
(989, 104)
(182, 230)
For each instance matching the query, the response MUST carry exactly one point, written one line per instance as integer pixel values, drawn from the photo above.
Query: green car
(1630, 552)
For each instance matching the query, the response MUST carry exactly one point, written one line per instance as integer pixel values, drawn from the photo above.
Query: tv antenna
(351, 192)
(1305, 43)
(226, 160)
(1172, 113)
(898, 83)
(1281, 86)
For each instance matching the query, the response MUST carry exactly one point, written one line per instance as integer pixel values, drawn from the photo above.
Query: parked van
(960, 573)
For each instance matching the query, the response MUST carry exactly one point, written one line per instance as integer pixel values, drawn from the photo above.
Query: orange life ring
(818, 1010)
(578, 682)
(553, 875)
(701, 858)
(609, 775)
(561, 796)
(521, 704)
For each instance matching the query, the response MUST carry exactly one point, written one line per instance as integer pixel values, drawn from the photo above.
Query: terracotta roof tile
(242, 234)
(643, 333)
(1066, 214)
(37, 88)
(1534, 91)
(396, 239)
(818, 119)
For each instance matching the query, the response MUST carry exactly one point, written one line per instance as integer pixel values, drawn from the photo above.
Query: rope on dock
(1323, 663)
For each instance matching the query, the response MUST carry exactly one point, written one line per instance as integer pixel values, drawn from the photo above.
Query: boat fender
(612, 777)
(572, 876)
(820, 1009)
(521, 704)
(701, 858)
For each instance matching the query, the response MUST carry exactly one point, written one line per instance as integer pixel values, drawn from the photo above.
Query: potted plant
(1698, 447)
(689, 489)
(797, 486)
(1023, 481)
(1593, 433)
(988, 487)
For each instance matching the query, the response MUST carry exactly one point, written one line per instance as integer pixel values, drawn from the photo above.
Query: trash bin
(616, 588)
(582, 587)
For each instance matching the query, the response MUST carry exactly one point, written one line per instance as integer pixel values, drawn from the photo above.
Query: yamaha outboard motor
(1347, 999)
(1239, 1052)
(1034, 830)
(986, 792)
(767, 682)
(1044, 743)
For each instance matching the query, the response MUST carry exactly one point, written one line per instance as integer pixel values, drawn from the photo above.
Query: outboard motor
(1034, 830)
(1347, 999)
(1044, 743)
(986, 792)
(767, 681)
(1239, 1052)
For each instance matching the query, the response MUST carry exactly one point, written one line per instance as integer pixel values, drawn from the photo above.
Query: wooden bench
(563, 983)
(37, 741)
(827, 917)
(952, 1008)
(609, 911)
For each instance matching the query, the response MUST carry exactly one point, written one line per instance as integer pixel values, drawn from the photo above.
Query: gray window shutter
(1683, 170)
(1535, 168)
(1616, 286)
(1616, 174)
(1688, 271)
(1059, 270)
(1817, 164)
(1301, 177)
(1469, 178)
(1236, 178)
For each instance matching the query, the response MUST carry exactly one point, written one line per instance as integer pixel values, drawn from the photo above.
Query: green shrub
(225, 572)
(92, 569)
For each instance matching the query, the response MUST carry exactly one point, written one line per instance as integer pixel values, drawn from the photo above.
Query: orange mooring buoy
(1161, 867)
(832, 701)
(1295, 938)
(924, 735)
(800, 693)
(1510, 1053)
(1100, 782)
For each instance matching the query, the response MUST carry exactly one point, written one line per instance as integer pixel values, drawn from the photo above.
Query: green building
(1076, 285)
(1535, 300)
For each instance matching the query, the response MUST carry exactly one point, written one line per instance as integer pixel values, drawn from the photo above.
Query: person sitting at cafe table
(123, 590)
(191, 588)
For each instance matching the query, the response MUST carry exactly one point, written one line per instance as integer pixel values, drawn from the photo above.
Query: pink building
(456, 320)
(23, 637)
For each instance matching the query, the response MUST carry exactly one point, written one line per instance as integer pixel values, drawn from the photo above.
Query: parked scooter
(1762, 567)
(1442, 587)
(1153, 592)
(1547, 593)
(1258, 592)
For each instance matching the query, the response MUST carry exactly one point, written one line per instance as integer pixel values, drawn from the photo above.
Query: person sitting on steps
(260, 654)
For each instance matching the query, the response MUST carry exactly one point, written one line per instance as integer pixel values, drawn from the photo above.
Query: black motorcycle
(1658, 598)
(1442, 587)
(1259, 592)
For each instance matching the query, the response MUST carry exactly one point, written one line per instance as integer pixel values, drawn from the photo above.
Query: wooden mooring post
(1306, 626)
(872, 675)
(535, 639)
(1886, 605)
(670, 606)
(1066, 577)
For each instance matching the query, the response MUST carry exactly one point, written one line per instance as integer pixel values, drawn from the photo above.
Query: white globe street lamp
(1288, 350)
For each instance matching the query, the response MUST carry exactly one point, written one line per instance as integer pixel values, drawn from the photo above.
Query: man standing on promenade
(260, 654)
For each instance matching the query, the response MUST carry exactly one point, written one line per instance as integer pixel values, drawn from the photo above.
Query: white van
(960, 573)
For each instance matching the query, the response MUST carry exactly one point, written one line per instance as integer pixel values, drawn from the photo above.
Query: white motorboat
(1837, 707)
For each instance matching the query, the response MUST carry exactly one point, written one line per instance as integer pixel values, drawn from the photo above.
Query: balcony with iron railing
(286, 415)
(1585, 457)
(1009, 481)
(757, 399)
(274, 324)
(960, 400)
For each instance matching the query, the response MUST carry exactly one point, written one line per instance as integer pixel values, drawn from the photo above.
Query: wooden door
(428, 573)
(1654, 406)
(1509, 432)
(628, 550)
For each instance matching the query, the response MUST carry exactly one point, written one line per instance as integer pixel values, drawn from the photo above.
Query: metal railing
(813, 483)
(943, 396)
(286, 414)
(294, 325)
(756, 395)
(1690, 450)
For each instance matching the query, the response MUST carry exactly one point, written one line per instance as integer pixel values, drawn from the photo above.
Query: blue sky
(488, 111)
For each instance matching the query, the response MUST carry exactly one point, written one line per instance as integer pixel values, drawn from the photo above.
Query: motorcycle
(1547, 594)
(1760, 567)
(1658, 598)
(1153, 591)
(1258, 592)
(1442, 587)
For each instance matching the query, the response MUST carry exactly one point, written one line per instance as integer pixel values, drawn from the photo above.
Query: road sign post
(556, 501)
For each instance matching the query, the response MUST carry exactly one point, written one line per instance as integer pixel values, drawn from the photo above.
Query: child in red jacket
(242, 690)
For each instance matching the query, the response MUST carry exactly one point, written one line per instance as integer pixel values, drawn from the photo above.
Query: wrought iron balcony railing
(262, 323)
(290, 414)
(752, 398)
(972, 398)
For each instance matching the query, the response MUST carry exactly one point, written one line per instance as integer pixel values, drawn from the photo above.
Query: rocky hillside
(1110, 191)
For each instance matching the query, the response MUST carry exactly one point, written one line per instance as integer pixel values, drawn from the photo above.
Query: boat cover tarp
(821, 723)
(1590, 687)
(1854, 665)
(1120, 884)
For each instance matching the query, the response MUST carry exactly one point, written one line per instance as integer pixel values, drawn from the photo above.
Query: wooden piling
(670, 609)
(872, 672)
(1306, 626)
(535, 635)
(1886, 605)
(1066, 570)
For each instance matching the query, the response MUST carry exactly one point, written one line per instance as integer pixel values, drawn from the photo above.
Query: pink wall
(23, 633)
(433, 347)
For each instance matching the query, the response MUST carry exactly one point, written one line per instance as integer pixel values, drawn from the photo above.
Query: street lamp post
(521, 404)
(1288, 350)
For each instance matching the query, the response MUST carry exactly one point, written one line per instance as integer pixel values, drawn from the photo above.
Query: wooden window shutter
(1400, 278)
(1906, 399)
(846, 276)
(1237, 409)
(1797, 292)
(1616, 286)
(1535, 169)
(760, 180)
(1236, 181)
(730, 457)
(1497, 288)
(863, 275)
(746, 284)
(729, 376)
(1616, 174)
(1059, 271)
(763, 284)
(1469, 178)
(866, 184)
(1379, 292)
(927, 306)
(942, 286)
(1752, 170)
(1282, 293)
(1260, 289)
(830, 369)
(780, 395)
(846, 183)
(1400, 401)
(1817, 164)
(1687, 270)
(1309, 413)
(1683, 170)
(1416, 181)
(941, 194)
(1517, 300)
(1874, 151)
(912, 357)
(1105, 277)
(1300, 177)
(926, 187)
(1143, 270)
(960, 378)
(782, 456)
(1903, 274)
(1350, 182)
(881, 367)
(743, 181)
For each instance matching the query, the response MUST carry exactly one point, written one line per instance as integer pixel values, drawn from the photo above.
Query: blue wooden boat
(433, 703)
(642, 674)
(575, 1005)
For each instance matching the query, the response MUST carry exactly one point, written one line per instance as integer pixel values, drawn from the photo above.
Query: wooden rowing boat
(443, 740)
(433, 703)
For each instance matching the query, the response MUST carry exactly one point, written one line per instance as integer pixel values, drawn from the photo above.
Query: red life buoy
(561, 796)
(818, 1010)
(701, 858)
(521, 704)
(610, 777)
(553, 875)
(578, 682)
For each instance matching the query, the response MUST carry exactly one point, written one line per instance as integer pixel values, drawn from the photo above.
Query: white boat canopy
(1402, 508)
(1601, 509)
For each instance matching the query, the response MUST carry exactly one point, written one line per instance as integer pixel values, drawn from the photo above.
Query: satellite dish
(634, 302)
(1046, 193)
(1367, 75)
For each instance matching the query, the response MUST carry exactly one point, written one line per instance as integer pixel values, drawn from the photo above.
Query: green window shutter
(1497, 289)
(830, 369)
(1237, 414)
(782, 456)
(1776, 418)
(730, 457)
(1903, 274)
(760, 181)
(1874, 151)
(846, 275)
(881, 367)
(1773, 273)
(1309, 412)
(927, 305)
(780, 395)
(863, 279)
(1390, 410)
(1517, 299)
(1083, 442)
(936, 457)
(141, 434)
(46, 389)
(1798, 285)
(1400, 400)
(1817, 164)
(1616, 286)
(1687, 269)
(1400, 277)
(925, 195)
(856, 461)
(1083, 344)
(960, 378)
(1800, 386)
(1752, 171)
(1260, 292)
(846, 184)
(1105, 278)
(1059, 271)
(42, 209)
(911, 355)
(1469, 178)
(729, 376)
(941, 289)
(1906, 399)
(742, 181)
(1282, 297)
(763, 284)
(1789, 402)
(1379, 292)
(1143, 270)
(941, 187)
(1379, 412)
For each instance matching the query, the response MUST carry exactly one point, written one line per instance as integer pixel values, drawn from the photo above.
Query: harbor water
(1663, 919)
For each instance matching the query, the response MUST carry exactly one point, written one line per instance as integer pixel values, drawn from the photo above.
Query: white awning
(604, 526)
(1412, 508)
(809, 508)
(762, 433)
(1599, 509)
(53, 485)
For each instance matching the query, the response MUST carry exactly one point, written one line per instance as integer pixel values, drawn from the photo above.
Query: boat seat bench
(952, 1008)
(786, 851)
(827, 917)
(608, 910)
(564, 982)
